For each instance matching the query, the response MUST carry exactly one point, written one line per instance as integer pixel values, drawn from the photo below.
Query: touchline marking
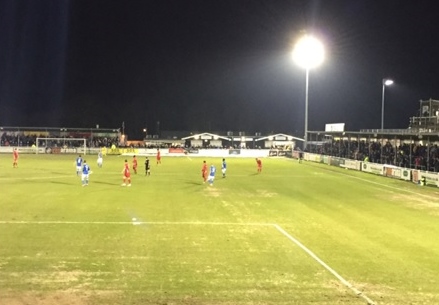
(315, 257)
(384, 185)
(34, 178)
(71, 258)
(137, 222)
(392, 187)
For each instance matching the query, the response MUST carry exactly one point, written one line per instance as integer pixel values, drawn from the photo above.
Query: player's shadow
(193, 182)
(107, 183)
(60, 182)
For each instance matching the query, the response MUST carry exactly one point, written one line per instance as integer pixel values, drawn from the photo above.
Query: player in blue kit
(211, 175)
(78, 165)
(85, 173)
(224, 168)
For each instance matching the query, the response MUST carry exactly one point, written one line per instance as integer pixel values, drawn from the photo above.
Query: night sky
(210, 65)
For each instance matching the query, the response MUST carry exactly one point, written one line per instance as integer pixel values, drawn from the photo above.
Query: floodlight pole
(306, 109)
(308, 53)
(386, 82)
(382, 106)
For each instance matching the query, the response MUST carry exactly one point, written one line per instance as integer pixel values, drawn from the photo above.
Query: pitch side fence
(407, 174)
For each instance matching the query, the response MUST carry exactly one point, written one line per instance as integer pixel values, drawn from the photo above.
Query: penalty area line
(322, 263)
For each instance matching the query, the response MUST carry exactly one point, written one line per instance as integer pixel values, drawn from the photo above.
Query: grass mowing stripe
(317, 259)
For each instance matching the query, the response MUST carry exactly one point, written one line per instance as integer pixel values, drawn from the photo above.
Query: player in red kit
(135, 164)
(15, 156)
(126, 174)
(204, 172)
(259, 164)
(158, 157)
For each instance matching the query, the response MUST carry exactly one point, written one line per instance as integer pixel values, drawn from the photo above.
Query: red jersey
(15, 154)
(134, 163)
(259, 162)
(126, 170)
(204, 172)
(158, 155)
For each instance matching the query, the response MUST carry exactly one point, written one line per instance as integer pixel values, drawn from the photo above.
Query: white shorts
(84, 176)
(100, 160)
(211, 178)
(78, 168)
(223, 170)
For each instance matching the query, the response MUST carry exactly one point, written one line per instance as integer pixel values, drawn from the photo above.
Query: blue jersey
(224, 165)
(212, 170)
(86, 169)
(79, 161)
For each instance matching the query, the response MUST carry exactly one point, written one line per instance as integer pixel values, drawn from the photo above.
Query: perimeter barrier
(387, 170)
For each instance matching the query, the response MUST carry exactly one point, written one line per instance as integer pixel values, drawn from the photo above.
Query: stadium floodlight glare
(386, 82)
(308, 53)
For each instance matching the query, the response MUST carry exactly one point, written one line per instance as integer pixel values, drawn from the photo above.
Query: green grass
(61, 243)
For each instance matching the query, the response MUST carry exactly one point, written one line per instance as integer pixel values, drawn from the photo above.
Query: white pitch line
(316, 258)
(70, 258)
(35, 178)
(392, 187)
(385, 185)
(131, 222)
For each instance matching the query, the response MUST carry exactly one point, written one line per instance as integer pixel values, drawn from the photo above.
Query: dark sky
(209, 65)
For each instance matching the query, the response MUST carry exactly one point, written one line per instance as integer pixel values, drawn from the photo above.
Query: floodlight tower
(308, 53)
(386, 82)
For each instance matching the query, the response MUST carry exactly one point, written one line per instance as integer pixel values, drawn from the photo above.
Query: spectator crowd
(414, 155)
(21, 139)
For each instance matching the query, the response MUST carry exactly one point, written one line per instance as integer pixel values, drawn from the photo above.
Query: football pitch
(294, 234)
